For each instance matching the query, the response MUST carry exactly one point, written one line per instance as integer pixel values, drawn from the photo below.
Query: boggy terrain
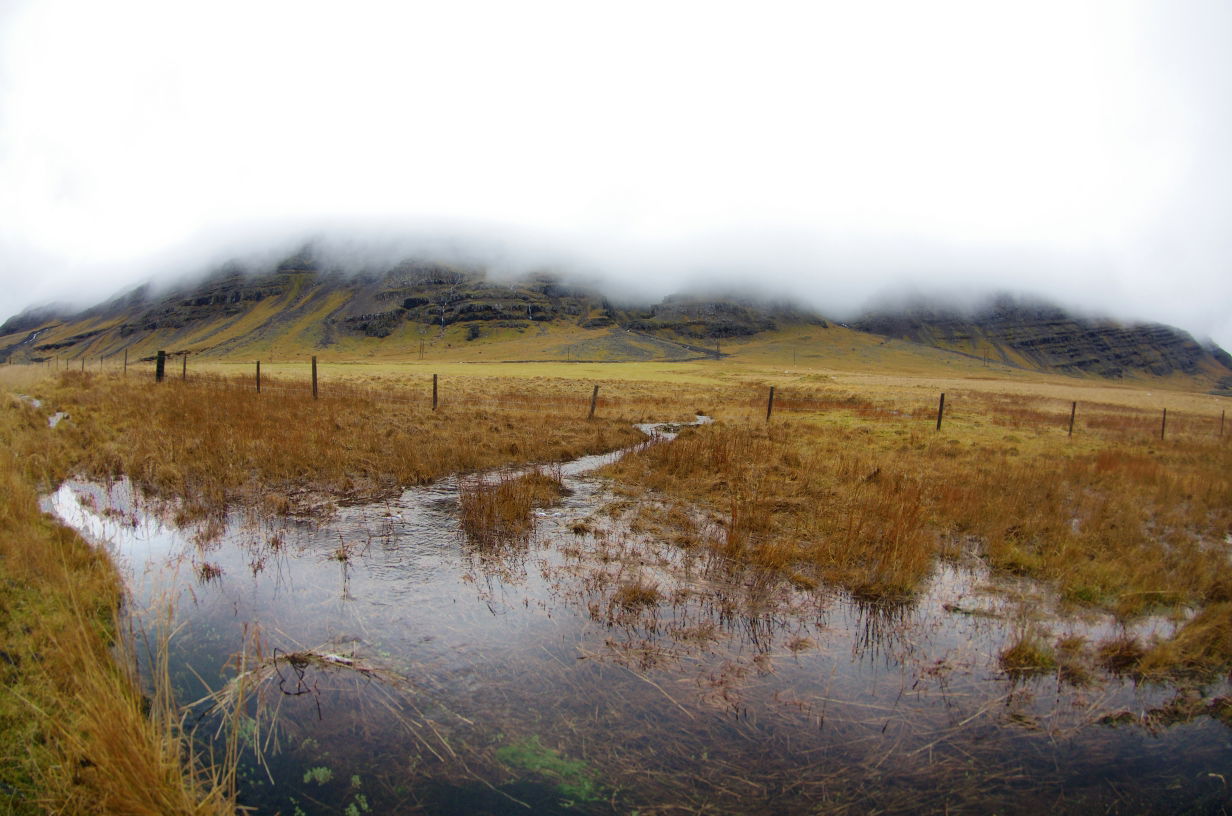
(859, 496)
(845, 489)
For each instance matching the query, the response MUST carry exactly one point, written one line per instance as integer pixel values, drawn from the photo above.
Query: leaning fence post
(1163, 425)
(314, 376)
(433, 392)
(258, 376)
(940, 410)
(1073, 409)
(770, 404)
(594, 397)
(160, 366)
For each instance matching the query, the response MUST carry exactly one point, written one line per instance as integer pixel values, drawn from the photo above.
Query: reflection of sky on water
(807, 694)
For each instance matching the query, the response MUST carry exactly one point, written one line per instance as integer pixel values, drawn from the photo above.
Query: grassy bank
(77, 736)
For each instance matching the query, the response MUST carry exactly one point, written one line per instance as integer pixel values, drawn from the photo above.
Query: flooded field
(390, 662)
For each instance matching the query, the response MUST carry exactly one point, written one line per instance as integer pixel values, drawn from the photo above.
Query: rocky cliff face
(1045, 337)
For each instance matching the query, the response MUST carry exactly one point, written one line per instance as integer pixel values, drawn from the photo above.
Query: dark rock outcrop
(1046, 337)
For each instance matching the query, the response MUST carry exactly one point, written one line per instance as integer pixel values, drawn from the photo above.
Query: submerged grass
(573, 779)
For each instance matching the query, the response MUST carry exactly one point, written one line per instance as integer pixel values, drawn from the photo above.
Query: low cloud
(835, 153)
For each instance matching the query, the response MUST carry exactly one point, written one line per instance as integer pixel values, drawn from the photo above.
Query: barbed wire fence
(774, 399)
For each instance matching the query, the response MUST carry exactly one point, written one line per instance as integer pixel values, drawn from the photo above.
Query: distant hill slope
(1045, 337)
(303, 306)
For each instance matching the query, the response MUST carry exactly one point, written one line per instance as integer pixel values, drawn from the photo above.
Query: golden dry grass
(209, 443)
(76, 734)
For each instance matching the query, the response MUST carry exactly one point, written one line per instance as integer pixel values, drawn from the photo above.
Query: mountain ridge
(302, 303)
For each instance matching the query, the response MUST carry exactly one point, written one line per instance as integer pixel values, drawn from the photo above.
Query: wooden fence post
(160, 366)
(83, 364)
(258, 376)
(594, 397)
(1222, 414)
(433, 392)
(770, 404)
(125, 362)
(184, 366)
(940, 410)
(314, 376)
(1073, 409)
(1163, 425)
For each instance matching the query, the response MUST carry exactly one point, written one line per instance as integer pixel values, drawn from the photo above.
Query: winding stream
(600, 668)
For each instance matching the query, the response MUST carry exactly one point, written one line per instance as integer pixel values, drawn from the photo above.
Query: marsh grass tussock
(499, 509)
(1027, 655)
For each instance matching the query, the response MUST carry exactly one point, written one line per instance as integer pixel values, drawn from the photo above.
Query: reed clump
(636, 595)
(500, 510)
(1028, 655)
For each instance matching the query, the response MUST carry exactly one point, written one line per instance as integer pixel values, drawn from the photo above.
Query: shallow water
(446, 677)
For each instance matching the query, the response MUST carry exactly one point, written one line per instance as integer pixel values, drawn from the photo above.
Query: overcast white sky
(836, 150)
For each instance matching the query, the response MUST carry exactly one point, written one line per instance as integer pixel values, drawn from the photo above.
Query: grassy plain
(848, 483)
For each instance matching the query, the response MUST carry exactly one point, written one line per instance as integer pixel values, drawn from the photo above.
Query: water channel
(396, 667)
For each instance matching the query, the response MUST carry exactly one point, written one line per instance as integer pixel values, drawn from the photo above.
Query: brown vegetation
(845, 488)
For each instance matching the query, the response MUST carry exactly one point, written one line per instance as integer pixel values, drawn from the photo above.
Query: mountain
(304, 305)
(1034, 334)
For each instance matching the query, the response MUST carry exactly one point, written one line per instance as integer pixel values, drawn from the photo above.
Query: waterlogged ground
(598, 667)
